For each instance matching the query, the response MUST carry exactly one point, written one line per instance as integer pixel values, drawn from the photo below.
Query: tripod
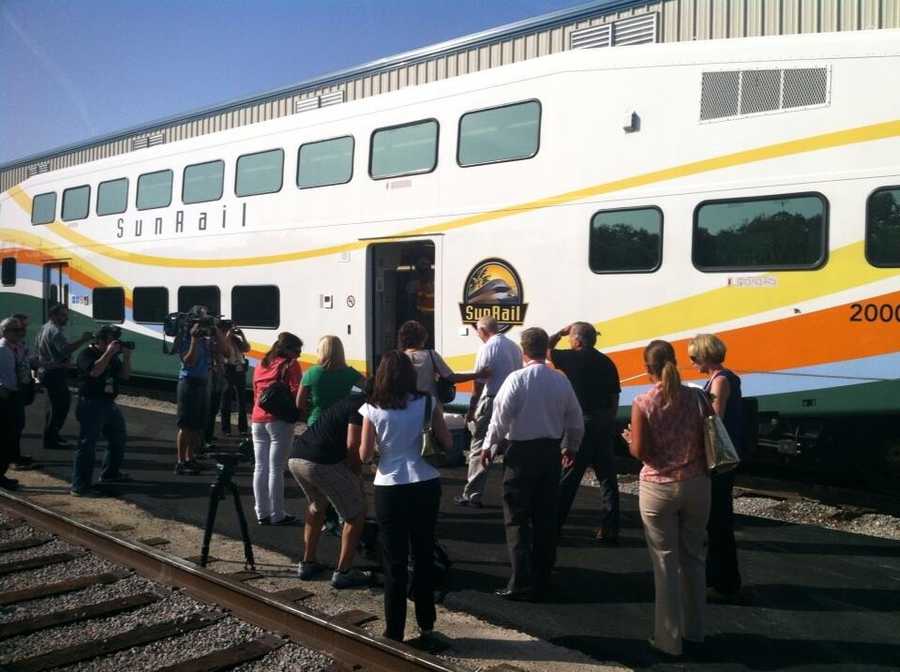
(226, 463)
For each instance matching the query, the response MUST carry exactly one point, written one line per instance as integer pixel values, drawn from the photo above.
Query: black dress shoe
(515, 595)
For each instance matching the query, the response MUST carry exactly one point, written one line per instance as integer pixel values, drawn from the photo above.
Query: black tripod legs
(242, 521)
(215, 494)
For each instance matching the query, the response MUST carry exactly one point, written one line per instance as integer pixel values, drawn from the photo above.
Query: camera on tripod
(232, 458)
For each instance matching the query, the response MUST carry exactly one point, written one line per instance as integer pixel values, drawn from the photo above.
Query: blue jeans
(98, 416)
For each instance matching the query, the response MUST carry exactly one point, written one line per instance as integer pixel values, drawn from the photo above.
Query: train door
(56, 285)
(404, 283)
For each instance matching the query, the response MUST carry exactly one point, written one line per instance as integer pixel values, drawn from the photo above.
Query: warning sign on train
(493, 288)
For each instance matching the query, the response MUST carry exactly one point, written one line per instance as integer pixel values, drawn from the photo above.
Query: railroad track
(351, 647)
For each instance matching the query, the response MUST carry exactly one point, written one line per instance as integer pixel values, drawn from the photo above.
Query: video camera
(180, 324)
(244, 453)
(111, 332)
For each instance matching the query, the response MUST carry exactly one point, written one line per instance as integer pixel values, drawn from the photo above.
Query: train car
(747, 187)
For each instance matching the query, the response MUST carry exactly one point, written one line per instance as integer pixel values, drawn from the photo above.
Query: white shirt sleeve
(573, 421)
(506, 407)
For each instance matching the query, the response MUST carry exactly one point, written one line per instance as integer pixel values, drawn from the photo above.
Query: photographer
(194, 347)
(236, 346)
(216, 381)
(100, 369)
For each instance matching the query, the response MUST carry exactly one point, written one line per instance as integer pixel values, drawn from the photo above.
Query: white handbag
(721, 455)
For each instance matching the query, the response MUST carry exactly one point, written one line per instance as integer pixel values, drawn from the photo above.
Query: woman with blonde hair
(666, 435)
(272, 436)
(723, 578)
(329, 381)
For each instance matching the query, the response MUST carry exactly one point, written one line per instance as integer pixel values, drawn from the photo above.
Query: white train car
(748, 187)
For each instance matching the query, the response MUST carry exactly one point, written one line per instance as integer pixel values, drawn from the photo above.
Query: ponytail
(659, 356)
(671, 382)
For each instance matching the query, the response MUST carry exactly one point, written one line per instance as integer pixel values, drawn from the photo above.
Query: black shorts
(193, 404)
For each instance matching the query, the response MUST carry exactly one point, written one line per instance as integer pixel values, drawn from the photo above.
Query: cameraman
(100, 370)
(236, 346)
(194, 348)
(215, 383)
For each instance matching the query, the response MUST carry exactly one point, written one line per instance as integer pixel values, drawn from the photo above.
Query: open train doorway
(402, 286)
(56, 286)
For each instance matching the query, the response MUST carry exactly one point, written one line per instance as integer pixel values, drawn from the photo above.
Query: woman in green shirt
(329, 381)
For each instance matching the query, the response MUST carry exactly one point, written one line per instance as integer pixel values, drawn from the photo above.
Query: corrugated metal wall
(677, 20)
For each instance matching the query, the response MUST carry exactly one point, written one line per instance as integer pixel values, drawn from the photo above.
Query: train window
(883, 227)
(76, 203)
(203, 182)
(626, 241)
(404, 150)
(151, 304)
(43, 208)
(109, 304)
(154, 190)
(112, 197)
(323, 163)
(255, 306)
(762, 233)
(507, 133)
(9, 271)
(259, 173)
(201, 295)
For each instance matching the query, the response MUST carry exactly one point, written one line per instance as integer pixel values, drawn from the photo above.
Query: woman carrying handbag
(666, 434)
(723, 578)
(273, 426)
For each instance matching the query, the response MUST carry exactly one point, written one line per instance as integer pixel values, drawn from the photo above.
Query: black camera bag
(277, 400)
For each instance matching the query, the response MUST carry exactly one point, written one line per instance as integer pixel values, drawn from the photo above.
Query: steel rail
(349, 645)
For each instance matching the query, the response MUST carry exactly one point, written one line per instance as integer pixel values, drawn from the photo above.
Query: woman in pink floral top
(666, 435)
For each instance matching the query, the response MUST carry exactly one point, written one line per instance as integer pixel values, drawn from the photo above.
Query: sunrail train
(747, 187)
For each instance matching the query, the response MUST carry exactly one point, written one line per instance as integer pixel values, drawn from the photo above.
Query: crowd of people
(549, 412)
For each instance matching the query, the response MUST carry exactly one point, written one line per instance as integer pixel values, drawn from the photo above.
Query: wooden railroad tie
(21, 544)
(103, 647)
(243, 575)
(355, 617)
(225, 659)
(292, 594)
(36, 563)
(99, 610)
(68, 586)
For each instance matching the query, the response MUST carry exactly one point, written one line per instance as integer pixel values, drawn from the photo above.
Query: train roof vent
(733, 93)
(720, 93)
(804, 87)
(156, 139)
(641, 29)
(140, 143)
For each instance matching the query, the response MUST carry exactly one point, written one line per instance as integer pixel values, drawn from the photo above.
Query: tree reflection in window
(626, 241)
(785, 232)
(883, 227)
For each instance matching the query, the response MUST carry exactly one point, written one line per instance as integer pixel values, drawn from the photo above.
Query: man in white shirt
(500, 356)
(537, 413)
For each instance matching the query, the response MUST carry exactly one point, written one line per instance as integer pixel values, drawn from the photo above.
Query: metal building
(601, 23)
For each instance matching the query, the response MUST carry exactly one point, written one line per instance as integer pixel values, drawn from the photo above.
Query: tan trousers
(675, 516)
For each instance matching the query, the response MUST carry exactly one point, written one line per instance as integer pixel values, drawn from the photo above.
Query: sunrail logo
(493, 288)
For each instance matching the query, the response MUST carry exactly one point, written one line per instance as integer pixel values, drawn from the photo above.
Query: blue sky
(71, 70)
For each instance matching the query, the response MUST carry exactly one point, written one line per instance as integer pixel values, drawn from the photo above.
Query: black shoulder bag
(446, 389)
(277, 399)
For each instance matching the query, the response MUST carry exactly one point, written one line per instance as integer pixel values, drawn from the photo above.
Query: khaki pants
(675, 516)
(477, 478)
